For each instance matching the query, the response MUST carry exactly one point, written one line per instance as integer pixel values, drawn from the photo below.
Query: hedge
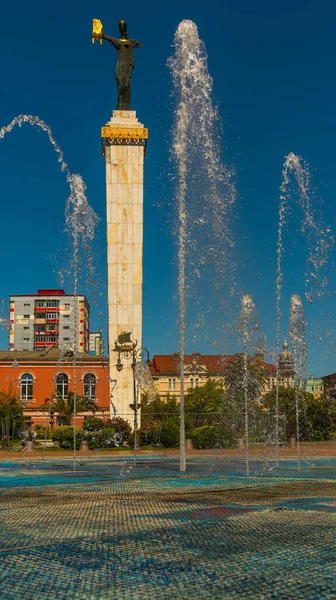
(64, 435)
(208, 436)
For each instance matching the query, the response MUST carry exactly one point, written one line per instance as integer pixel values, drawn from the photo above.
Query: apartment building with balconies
(50, 318)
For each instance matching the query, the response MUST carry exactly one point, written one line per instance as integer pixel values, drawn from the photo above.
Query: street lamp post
(51, 419)
(127, 348)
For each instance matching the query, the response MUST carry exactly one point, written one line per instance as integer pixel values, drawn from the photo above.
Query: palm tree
(65, 406)
(11, 413)
(234, 377)
(205, 404)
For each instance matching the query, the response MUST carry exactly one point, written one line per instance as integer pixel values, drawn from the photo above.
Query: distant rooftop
(51, 354)
(45, 292)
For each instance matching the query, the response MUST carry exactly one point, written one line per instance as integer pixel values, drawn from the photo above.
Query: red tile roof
(214, 363)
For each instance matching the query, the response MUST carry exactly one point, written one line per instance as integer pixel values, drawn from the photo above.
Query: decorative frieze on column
(124, 142)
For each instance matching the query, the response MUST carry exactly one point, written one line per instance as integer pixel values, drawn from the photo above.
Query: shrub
(93, 424)
(149, 434)
(169, 434)
(122, 429)
(212, 437)
(104, 438)
(64, 435)
(332, 436)
(40, 431)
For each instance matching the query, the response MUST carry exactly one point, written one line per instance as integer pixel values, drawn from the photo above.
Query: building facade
(286, 366)
(96, 343)
(314, 386)
(165, 370)
(37, 376)
(50, 318)
(329, 385)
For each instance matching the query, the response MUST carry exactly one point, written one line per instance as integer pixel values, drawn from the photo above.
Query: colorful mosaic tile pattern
(108, 531)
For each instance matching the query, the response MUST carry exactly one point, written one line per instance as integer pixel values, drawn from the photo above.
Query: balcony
(39, 321)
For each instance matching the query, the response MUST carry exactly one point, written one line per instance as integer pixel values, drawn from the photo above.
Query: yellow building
(198, 368)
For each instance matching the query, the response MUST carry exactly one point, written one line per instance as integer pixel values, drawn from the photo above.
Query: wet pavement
(112, 530)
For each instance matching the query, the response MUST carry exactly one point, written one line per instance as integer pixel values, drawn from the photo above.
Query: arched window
(26, 387)
(62, 384)
(90, 386)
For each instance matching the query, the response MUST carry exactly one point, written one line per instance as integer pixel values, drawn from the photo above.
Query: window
(52, 303)
(40, 329)
(41, 316)
(62, 384)
(26, 316)
(40, 304)
(40, 338)
(26, 328)
(196, 382)
(67, 304)
(26, 304)
(90, 386)
(66, 339)
(52, 316)
(26, 387)
(26, 339)
(66, 327)
(171, 383)
(52, 338)
(66, 316)
(191, 383)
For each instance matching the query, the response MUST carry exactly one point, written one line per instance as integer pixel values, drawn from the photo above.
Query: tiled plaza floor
(116, 532)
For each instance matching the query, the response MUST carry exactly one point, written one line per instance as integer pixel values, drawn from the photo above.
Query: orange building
(36, 376)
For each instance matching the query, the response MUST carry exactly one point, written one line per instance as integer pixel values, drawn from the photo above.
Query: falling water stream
(81, 221)
(254, 341)
(195, 150)
(319, 241)
(297, 333)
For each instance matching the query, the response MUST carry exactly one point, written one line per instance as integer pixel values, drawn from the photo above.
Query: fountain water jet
(81, 221)
(319, 241)
(297, 333)
(195, 145)
(254, 340)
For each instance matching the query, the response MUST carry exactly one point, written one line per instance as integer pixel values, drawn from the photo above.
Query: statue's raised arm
(108, 38)
(125, 64)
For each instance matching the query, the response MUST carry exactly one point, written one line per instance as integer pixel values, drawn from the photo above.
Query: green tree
(234, 380)
(206, 404)
(159, 410)
(317, 416)
(11, 414)
(65, 406)
(234, 377)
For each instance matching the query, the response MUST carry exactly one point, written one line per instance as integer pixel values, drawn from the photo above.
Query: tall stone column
(124, 145)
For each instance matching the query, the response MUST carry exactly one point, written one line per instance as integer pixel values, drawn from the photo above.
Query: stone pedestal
(124, 145)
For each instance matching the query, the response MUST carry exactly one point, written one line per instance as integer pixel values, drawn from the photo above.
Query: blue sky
(273, 66)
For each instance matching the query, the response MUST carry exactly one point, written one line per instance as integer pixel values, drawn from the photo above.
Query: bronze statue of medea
(125, 64)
